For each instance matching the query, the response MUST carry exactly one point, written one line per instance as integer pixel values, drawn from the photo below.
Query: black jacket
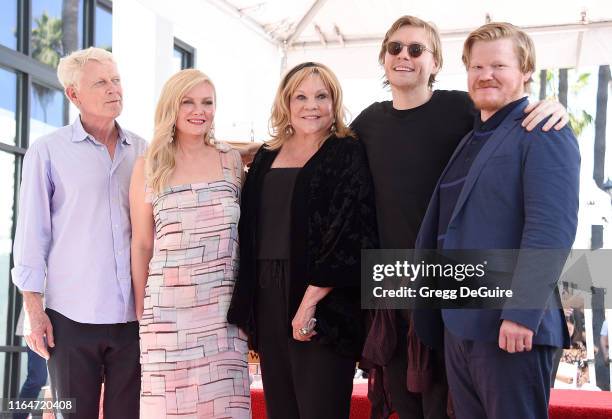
(332, 218)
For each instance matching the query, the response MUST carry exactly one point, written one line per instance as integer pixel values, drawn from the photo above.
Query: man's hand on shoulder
(514, 337)
(538, 111)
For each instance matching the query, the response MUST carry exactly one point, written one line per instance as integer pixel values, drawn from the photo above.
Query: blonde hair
(432, 35)
(70, 67)
(280, 119)
(523, 45)
(160, 157)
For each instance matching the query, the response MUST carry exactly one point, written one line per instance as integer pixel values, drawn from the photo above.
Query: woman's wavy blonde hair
(160, 156)
(280, 119)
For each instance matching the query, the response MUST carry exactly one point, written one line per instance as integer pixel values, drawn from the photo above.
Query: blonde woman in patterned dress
(184, 198)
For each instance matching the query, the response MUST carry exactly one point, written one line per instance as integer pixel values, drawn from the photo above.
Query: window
(8, 24)
(48, 110)
(7, 194)
(7, 197)
(183, 56)
(8, 106)
(103, 35)
(34, 35)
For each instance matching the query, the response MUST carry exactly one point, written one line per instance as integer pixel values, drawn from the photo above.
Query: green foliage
(47, 40)
(582, 81)
(579, 122)
(579, 118)
(46, 48)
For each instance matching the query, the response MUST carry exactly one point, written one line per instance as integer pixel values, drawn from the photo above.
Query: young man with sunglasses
(409, 141)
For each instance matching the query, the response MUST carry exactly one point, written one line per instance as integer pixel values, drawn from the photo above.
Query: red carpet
(564, 404)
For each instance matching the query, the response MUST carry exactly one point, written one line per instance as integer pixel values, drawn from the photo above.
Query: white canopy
(245, 45)
(567, 33)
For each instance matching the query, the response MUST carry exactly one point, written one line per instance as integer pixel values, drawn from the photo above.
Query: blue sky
(104, 28)
(8, 24)
(54, 107)
(8, 81)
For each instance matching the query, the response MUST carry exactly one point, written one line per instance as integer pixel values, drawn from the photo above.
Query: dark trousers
(486, 382)
(428, 405)
(555, 365)
(301, 380)
(84, 356)
(431, 404)
(35, 380)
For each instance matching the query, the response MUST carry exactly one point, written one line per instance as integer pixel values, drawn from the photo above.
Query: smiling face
(98, 93)
(196, 111)
(402, 70)
(494, 75)
(311, 107)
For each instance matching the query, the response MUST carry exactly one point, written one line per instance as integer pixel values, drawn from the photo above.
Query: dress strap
(231, 162)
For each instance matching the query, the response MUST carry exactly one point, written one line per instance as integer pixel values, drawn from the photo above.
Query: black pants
(84, 356)
(301, 380)
(431, 404)
(428, 405)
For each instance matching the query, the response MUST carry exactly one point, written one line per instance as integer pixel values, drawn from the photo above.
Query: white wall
(244, 67)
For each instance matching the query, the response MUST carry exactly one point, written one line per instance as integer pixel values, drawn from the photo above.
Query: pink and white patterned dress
(194, 364)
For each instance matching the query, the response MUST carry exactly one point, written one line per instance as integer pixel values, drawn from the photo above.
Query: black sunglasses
(414, 49)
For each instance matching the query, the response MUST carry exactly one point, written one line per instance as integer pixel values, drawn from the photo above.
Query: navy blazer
(520, 193)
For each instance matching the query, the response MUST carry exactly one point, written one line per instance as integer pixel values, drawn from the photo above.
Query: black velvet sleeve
(240, 311)
(346, 223)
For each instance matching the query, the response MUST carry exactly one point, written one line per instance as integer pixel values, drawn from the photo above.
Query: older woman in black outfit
(307, 211)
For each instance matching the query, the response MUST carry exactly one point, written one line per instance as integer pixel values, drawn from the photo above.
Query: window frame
(188, 53)
(28, 71)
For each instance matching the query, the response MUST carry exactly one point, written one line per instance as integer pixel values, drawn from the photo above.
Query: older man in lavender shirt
(73, 245)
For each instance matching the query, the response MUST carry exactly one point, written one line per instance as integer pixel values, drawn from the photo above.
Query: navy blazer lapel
(487, 150)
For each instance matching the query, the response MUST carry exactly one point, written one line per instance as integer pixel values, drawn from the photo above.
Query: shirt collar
(497, 118)
(125, 139)
(79, 134)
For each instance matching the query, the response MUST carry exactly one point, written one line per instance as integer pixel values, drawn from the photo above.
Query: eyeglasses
(414, 49)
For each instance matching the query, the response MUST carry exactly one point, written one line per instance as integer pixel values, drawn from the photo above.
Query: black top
(454, 178)
(333, 217)
(407, 151)
(275, 213)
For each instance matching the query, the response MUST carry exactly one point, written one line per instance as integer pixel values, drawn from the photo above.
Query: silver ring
(303, 331)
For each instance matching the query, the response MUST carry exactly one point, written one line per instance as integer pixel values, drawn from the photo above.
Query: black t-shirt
(407, 152)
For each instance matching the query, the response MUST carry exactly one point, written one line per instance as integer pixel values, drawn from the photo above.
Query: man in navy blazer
(504, 188)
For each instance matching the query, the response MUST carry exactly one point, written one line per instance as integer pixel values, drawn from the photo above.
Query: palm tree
(70, 16)
(542, 78)
(47, 40)
(563, 86)
(46, 48)
(600, 125)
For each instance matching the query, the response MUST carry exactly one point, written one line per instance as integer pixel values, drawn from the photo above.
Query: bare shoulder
(139, 167)
(139, 163)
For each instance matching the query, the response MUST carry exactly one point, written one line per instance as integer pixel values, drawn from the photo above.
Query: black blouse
(333, 217)
(273, 236)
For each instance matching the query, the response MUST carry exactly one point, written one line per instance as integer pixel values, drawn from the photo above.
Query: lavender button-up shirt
(73, 232)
